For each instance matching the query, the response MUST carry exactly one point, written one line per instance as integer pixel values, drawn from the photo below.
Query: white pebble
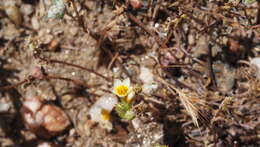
(27, 9)
(156, 25)
(146, 76)
(4, 107)
(33, 104)
(149, 88)
(136, 123)
(256, 61)
(35, 23)
(45, 144)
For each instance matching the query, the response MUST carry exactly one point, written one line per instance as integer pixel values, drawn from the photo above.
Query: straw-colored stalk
(191, 103)
(190, 100)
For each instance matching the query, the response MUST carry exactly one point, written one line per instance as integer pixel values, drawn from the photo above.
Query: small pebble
(135, 4)
(4, 107)
(27, 9)
(35, 23)
(146, 75)
(256, 62)
(53, 45)
(13, 12)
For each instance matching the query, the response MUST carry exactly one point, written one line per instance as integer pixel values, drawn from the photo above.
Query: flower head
(100, 110)
(122, 88)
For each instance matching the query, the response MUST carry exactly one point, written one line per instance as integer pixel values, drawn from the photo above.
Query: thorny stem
(77, 82)
(48, 77)
(74, 65)
(14, 85)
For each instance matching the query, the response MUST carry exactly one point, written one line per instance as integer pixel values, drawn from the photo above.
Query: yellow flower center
(121, 90)
(105, 114)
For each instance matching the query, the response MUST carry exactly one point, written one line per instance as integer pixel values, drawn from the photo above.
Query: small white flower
(122, 88)
(100, 110)
(101, 116)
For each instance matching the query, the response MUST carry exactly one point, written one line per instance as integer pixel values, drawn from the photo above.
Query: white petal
(130, 95)
(107, 102)
(117, 82)
(127, 82)
(95, 113)
(114, 92)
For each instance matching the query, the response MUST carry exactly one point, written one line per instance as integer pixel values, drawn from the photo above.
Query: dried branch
(74, 65)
